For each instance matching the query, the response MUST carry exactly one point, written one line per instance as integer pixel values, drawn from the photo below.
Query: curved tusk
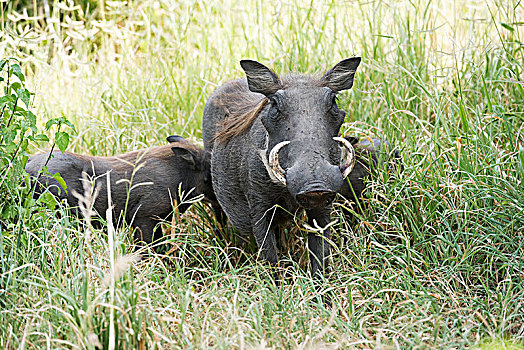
(275, 167)
(349, 163)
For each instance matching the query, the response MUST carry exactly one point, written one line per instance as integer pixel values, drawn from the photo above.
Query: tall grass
(433, 260)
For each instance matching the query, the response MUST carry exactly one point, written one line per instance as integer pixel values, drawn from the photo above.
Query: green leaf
(40, 138)
(24, 95)
(507, 26)
(21, 110)
(2, 63)
(9, 212)
(68, 123)
(48, 199)
(54, 121)
(17, 71)
(15, 86)
(31, 118)
(24, 125)
(463, 118)
(23, 161)
(59, 121)
(11, 147)
(4, 100)
(61, 181)
(9, 134)
(62, 140)
(24, 144)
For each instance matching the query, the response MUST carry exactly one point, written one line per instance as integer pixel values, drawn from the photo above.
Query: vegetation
(433, 260)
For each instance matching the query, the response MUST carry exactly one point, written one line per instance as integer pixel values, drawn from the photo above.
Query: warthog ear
(341, 76)
(175, 138)
(260, 78)
(185, 154)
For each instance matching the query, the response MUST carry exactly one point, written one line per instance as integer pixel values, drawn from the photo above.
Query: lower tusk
(274, 165)
(349, 162)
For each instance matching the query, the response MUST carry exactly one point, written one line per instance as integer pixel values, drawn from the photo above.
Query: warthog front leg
(144, 232)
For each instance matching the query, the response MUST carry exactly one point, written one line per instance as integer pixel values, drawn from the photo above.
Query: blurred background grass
(435, 260)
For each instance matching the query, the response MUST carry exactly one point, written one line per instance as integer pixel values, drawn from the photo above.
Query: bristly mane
(242, 107)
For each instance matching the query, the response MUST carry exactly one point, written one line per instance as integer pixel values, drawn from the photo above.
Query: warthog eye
(273, 113)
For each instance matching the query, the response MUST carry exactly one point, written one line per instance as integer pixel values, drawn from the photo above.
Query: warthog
(274, 145)
(144, 183)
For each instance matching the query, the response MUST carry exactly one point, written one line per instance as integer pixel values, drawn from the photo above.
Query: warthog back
(144, 184)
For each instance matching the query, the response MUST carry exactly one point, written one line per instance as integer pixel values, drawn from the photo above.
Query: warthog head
(302, 121)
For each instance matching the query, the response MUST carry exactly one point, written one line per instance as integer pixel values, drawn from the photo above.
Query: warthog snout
(315, 199)
(314, 184)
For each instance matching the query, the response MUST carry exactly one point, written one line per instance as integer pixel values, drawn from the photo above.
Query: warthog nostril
(315, 199)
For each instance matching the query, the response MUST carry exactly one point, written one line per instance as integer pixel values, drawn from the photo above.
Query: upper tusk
(349, 162)
(274, 165)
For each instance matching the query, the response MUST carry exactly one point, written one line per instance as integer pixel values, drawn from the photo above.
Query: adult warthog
(274, 146)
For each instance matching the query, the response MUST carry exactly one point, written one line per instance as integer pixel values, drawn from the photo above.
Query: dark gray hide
(243, 122)
(159, 170)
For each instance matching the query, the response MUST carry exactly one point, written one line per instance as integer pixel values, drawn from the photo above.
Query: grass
(434, 260)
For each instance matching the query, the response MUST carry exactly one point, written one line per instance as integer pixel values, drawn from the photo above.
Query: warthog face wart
(302, 121)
